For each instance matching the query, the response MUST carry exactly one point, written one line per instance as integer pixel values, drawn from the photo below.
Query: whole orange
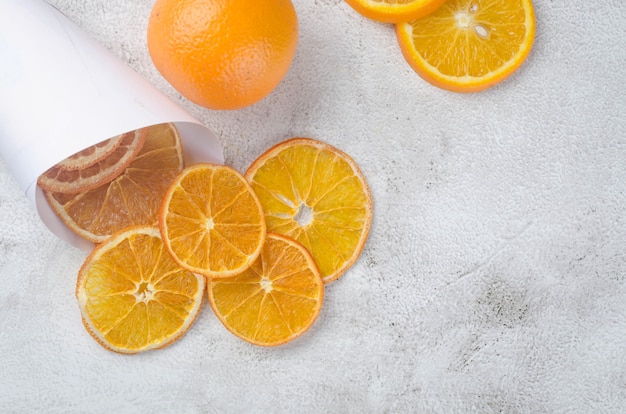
(223, 54)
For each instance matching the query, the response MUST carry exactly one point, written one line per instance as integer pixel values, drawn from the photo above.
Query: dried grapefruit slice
(133, 297)
(274, 301)
(317, 195)
(61, 180)
(91, 155)
(211, 221)
(133, 198)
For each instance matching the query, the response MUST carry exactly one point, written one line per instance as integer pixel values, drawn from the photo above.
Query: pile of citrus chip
(458, 45)
(262, 244)
(95, 203)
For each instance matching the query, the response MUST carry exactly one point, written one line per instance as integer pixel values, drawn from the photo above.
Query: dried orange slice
(394, 11)
(274, 301)
(59, 179)
(91, 155)
(133, 297)
(469, 45)
(211, 221)
(133, 198)
(317, 195)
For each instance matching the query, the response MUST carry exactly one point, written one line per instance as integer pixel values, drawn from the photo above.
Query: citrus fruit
(275, 300)
(133, 198)
(91, 155)
(132, 296)
(394, 11)
(469, 45)
(211, 221)
(103, 170)
(317, 195)
(223, 54)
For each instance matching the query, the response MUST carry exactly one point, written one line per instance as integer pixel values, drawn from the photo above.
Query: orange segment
(133, 198)
(211, 221)
(317, 195)
(469, 45)
(102, 171)
(394, 11)
(133, 297)
(276, 300)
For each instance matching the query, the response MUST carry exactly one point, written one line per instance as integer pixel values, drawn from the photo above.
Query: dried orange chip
(133, 297)
(62, 180)
(317, 195)
(211, 221)
(133, 198)
(91, 155)
(469, 45)
(274, 301)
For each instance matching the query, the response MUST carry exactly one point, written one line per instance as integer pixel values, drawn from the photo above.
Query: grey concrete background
(494, 277)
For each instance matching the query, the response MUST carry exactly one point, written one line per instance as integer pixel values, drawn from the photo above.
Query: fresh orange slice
(133, 198)
(317, 195)
(133, 297)
(91, 155)
(274, 301)
(394, 11)
(211, 221)
(73, 181)
(469, 45)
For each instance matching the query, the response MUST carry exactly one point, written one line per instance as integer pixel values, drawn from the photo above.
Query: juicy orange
(133, 198)
(223, 54)
(469, 45)
(394, 11)
(317, 195)
(274, 301)
(93, 174)
(211, 221)
(133, 297)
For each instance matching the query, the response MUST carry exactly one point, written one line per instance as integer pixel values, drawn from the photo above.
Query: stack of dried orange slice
(131, 294)
(270, 240)
(105, 191)
(459, 45)
(263, 244)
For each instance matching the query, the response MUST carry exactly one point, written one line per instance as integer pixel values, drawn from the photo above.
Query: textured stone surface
(494, 278)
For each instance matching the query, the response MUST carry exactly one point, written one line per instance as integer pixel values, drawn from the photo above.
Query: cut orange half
(469, 45)
(133, 297)
(211, 221)
(317, 195)
(274, 301)
(133, 198)
(73, 181)
(394, 11)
